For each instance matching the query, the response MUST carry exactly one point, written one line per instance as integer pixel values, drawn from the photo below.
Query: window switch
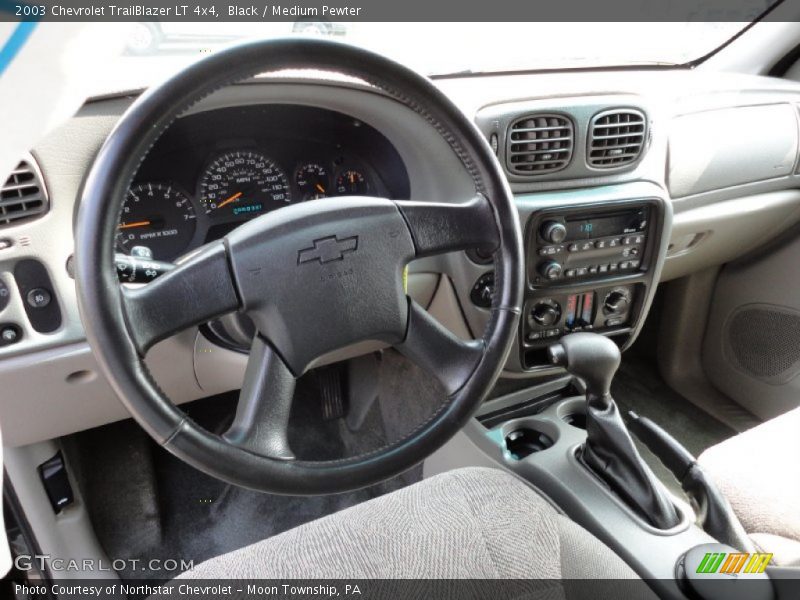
(56, 482)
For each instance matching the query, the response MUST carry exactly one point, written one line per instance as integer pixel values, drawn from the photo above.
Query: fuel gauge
(351, 183)
(313, 182)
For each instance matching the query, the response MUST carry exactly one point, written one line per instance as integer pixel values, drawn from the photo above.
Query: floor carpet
(146, 504)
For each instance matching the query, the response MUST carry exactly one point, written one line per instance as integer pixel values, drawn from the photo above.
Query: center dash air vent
(539, 144)
(616, 138)
(23, 195)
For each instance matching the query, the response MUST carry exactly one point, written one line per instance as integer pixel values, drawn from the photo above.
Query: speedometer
(242, 185)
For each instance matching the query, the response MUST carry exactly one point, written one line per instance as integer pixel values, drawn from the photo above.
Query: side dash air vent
(23, 195)
(616, 138)
(539, 144)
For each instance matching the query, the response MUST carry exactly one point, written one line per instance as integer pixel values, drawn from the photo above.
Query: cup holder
(576, 419)
(525, 441)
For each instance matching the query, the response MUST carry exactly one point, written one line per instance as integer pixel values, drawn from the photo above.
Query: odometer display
(243, 185)
(158, 217)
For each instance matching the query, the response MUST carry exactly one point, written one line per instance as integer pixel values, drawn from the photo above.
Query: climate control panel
(602, 309)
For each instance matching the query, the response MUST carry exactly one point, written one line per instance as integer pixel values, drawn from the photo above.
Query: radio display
(605, 225)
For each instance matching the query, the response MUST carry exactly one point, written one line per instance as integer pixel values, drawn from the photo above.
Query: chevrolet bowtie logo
(328, 249)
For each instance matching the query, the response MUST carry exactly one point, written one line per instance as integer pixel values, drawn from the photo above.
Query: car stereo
(587, 245)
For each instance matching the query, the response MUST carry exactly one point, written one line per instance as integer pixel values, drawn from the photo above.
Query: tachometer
(312, 180)
(242, 185)
(158, 217)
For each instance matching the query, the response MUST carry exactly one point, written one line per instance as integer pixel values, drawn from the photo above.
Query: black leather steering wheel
(313, 277)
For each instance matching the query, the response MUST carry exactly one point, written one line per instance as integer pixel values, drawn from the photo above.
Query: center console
(590, 267)
(537, 434)
(593, 260)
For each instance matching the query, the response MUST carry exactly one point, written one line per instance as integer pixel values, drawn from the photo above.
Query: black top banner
(395, 10)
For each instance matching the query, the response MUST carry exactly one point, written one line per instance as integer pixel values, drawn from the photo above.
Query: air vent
(539, 144)
(23, 195)
(616, 138)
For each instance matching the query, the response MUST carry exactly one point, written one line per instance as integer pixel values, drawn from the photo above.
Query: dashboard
(602, 231)
(211, 172)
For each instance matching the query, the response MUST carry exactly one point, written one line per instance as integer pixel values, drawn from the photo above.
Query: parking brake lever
(716, 515)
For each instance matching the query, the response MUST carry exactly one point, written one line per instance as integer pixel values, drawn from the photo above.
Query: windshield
(442, 48)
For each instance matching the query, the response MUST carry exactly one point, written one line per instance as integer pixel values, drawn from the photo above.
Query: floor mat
(146, 504)
(638, 386)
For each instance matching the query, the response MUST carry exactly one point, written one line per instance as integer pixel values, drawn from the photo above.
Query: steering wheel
(313, 277)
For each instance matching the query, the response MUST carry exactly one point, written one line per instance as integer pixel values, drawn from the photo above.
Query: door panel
(751, 350)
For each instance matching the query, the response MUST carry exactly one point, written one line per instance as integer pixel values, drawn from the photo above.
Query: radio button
(632, 251)
(573, 248)
(569, 273)
(599, 244)
(634, 264)
(633, 239)
(612, 267)
(550, 250)
(593, 270)
(586, 246)
(603, 268)
(613, 243)
(580, 271)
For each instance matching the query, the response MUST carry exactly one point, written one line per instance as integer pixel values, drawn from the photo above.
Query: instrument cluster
(213, 171)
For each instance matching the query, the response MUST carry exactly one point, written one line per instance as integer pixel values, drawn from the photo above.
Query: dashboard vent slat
(616, 138)
(539, 143)
(23, 195)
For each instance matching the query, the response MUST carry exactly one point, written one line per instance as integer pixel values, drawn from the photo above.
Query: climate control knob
(546, 314)
(550, 270)
(553, 231)
(616, 302)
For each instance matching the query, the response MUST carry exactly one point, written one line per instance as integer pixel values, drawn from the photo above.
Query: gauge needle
(134, 224)
(227, 201)
(320, 188)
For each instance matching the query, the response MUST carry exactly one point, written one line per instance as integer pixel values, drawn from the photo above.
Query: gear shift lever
(609, 450)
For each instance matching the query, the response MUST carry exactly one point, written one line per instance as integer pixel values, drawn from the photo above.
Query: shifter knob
(609, 450)
(590, 356)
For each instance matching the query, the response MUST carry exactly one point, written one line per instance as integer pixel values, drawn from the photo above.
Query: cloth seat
(758, 471)
(465, 524)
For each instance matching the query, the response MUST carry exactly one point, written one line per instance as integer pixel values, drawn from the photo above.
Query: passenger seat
(759, 473)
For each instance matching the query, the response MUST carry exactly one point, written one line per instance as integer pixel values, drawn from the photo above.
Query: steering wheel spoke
(431, 346)
(196, 291)
(265, 402)
(439, 227)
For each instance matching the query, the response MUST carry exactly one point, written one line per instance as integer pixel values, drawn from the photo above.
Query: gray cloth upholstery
(468, 523)
(758, 471)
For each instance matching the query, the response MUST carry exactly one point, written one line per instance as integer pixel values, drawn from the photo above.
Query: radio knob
(545, 314)
(554, 232)
(616, 302)
(550, 270)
